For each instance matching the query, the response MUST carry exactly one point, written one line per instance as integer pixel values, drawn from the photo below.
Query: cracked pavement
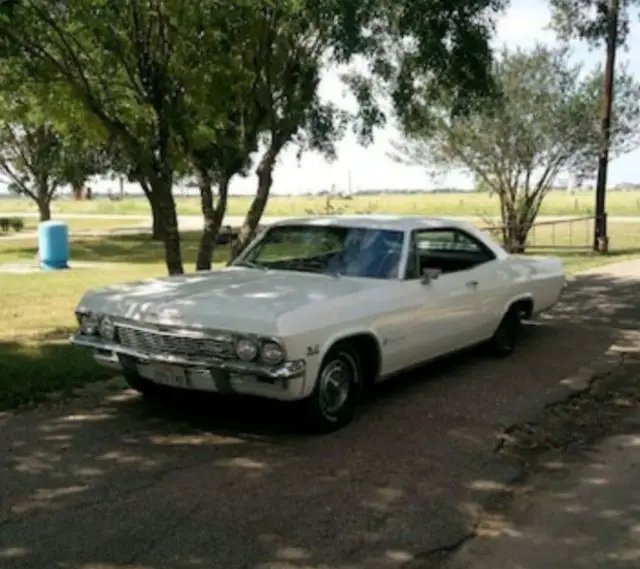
(107, 481)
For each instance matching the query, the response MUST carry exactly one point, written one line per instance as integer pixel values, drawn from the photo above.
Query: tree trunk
(77, 191)
(515, 232)
(212, 217)
(164, 208)
(157, 234)
(251, 222)
(205, 250)
(44, 207)
(512, 238)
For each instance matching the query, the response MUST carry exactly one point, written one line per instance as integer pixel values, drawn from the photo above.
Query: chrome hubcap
(335, 384)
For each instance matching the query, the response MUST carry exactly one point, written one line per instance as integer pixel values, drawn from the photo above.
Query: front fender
(315, 358)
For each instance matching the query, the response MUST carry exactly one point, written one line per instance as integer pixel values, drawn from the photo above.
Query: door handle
(472, 284)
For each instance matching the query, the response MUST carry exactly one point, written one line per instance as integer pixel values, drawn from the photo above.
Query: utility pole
(600, 237)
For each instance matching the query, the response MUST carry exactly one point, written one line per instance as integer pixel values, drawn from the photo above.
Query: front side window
(331, 249)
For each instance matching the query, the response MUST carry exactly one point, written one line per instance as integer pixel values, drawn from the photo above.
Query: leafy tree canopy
(39, 152)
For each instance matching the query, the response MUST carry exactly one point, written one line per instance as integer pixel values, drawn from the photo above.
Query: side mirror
(430, 275)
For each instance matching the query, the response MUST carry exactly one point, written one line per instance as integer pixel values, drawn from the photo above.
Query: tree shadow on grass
(32, 371)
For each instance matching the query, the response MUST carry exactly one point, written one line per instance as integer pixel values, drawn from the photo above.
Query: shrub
(17, 224)
(14, 223)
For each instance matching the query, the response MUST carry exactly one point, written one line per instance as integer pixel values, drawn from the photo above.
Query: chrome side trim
(285, 370)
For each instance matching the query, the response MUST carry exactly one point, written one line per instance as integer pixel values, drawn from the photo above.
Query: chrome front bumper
(284, 371)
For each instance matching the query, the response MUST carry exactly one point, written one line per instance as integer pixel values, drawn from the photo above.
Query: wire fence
(576, 233)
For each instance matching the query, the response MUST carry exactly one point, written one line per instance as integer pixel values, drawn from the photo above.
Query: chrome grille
(152, 341)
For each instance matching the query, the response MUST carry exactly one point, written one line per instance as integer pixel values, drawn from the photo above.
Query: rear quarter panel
(540, 278)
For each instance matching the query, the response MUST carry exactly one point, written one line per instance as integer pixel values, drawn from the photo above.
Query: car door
(447, 305)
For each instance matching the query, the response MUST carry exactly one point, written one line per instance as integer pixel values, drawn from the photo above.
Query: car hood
(235, 298)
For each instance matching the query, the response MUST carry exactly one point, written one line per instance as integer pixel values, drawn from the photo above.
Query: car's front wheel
(335, 396)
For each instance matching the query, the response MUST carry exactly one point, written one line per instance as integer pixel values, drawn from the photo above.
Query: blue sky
(370, 168)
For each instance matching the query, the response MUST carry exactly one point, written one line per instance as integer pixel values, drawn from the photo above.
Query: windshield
(331, 249)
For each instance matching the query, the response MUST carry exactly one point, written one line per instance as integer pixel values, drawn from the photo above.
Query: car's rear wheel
(335, 397)
(505, 338)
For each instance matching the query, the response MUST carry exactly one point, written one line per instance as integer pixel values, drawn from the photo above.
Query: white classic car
(317, 309)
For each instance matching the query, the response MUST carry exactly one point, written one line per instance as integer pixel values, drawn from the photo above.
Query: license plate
(169, 375)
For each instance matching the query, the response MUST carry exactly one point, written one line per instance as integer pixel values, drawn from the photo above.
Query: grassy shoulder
(37, 309)
(471, 204)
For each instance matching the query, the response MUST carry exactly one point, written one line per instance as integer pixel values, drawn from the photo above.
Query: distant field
(557, 203)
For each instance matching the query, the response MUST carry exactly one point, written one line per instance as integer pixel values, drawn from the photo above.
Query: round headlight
(107, 328)
(88, 323)
(271, 353)
(247, 350)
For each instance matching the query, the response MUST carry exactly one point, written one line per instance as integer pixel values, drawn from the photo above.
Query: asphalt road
(112, 482)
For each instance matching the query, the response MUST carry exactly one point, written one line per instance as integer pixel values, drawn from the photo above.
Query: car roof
(392, 222)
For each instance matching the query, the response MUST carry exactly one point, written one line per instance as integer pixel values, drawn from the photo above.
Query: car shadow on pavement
(204, 482)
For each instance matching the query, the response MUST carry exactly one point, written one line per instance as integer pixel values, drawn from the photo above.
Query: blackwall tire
(334, 400)
(506, 336)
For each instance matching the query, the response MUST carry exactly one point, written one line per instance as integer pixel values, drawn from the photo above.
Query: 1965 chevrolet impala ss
(317, 309)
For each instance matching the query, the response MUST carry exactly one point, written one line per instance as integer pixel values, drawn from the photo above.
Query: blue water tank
(53, 245)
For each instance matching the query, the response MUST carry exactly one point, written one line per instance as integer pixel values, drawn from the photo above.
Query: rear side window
(447, 249)
(446, 240)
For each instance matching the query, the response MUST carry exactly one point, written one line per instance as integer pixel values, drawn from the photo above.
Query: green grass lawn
(556, 203)
(37, 309)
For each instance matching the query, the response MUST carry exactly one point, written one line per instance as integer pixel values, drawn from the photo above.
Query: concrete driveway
(112, 482)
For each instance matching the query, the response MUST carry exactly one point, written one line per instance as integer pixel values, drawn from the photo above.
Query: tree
(39, 155)
(446, 46)
(544, 124)
(36, 160)
(288, 57)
